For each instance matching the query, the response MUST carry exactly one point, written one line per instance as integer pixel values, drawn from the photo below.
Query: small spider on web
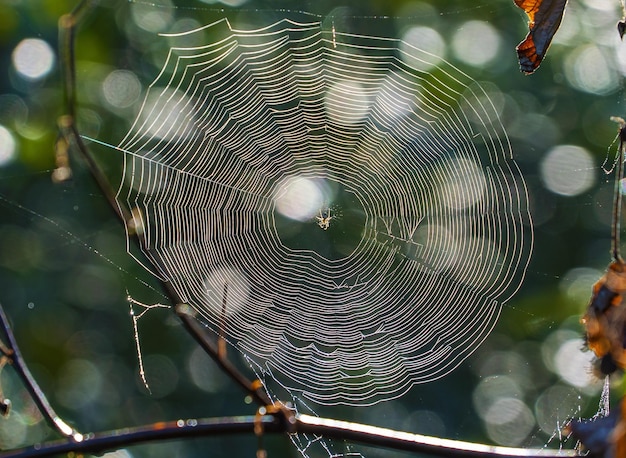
(323, 218)
(605, 327)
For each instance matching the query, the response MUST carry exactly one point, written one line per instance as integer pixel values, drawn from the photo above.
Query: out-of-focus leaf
(544, 19)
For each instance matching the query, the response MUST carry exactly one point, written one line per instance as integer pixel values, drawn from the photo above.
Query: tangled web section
(344, 209)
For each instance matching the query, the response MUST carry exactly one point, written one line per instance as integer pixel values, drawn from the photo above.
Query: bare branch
(272, 424)
(67, 124)
(18, 363)
(180, 429)
(253, 388)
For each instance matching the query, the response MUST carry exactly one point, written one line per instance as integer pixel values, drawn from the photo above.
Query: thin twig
(68, 24)
(207, 427)
(221, 339)
(254, 388)
(180, 429)
(617, 199)
(398, 440)
(17, 361)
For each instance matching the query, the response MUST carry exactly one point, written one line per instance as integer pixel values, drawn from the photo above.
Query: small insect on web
(324, 218)
(605, 326)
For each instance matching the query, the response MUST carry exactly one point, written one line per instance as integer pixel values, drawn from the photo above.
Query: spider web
(344, 209)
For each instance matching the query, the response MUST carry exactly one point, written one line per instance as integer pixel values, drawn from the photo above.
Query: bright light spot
(511, 363)
(121, 88)
(162, 375)
(440, 247)
(577, 282)
(80, 384)
(394, 102)
(587, 69)
(568, 170)
(492, 389)
(123, 453)
(552, 343)
(33, 58)
(424, 39)
(347, 102)
(203, 373)
(225, 2)
(7, 146)
(150, 18)
(555, 406)
(476, 43)
(187, 33)
(167, 114)
(13, 433)
(575, 365)
(466, 185)
(569, 31)
(64, 427)
(299, 198)
(233, 3)
(509, 421)
(227, 290)
(602, 5)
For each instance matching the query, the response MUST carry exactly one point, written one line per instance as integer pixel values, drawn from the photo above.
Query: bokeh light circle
(428, 40)
(588, 69)
(476, 43)
(574, 365)
(33, 58)
(7, 146)
(121, 88)
(509, 421)
(568, 170)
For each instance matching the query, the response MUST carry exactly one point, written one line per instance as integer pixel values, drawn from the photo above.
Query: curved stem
(207, 427)
(617, 196)
(67, 124)
(181, 429)
(18, 363)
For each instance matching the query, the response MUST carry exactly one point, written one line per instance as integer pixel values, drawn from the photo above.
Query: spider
(323, 219)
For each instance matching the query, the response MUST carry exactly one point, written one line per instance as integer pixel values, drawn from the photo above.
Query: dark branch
(69, 130)
(254, 388)
(184, 429)
(181, 429)
(18, 363)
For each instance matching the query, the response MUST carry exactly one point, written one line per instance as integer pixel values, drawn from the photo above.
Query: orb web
(344, 209)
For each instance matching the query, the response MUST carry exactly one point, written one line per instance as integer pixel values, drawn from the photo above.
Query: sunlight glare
(121, 88)
(298, 198)
(587, 68)
(568, 170)
(346, 102)
(426, 39)
(33, 58)
(7, 146)
(476, 43)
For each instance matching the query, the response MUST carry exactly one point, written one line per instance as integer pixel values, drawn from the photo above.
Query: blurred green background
(65, 272)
